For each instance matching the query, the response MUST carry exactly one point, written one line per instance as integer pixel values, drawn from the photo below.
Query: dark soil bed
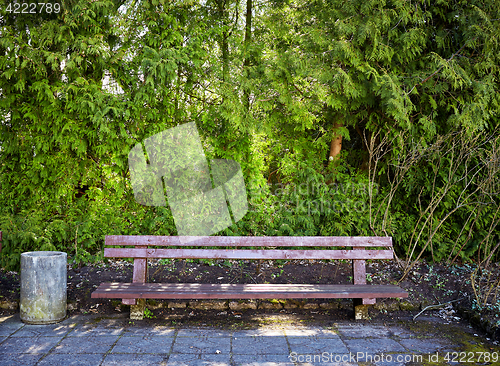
(427, 285)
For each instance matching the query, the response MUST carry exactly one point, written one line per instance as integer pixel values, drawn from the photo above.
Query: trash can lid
(43, 254)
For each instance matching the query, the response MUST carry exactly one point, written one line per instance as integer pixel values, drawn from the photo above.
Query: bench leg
(359, 278)
(137, 311)
(360, 309)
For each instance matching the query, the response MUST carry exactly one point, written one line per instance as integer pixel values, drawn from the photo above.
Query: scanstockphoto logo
(203, 198)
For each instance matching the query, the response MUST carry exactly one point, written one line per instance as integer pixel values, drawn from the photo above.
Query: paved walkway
(85, 340)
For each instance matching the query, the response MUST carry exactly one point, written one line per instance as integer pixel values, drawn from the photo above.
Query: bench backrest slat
(250, 241)
(246, 253)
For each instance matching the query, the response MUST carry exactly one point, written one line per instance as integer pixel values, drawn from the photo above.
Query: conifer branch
(440, 68)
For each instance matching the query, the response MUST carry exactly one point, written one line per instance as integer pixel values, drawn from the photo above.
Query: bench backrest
(270, 247)
(203, 247)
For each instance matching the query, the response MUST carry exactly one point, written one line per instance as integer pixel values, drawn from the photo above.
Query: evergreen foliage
(411, 86)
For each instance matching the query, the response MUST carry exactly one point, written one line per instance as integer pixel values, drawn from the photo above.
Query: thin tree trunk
(225, 57)
(336, 144)
(222, 12)
(247, 42)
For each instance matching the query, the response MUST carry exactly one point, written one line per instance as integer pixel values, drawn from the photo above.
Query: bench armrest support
(140, 273)
(359, 276)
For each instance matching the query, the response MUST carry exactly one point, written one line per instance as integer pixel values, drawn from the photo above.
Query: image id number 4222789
(32, 8)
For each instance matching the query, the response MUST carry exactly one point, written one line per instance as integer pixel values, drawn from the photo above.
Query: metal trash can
(43, 287)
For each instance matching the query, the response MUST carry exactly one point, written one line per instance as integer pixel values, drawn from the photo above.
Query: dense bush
(411, 91)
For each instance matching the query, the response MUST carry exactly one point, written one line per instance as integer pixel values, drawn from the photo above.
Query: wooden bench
(216, 247)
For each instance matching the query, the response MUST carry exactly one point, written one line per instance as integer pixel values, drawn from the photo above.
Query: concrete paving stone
(19, 359)
(363, 331)
(401, 333)
(146, 344)
(387, 363)
(10, 319)
(114, 359)
(342, 359)
(149, 331)
(89, 344)
(9, 327)
(28, 345)
(379, 358)
(262, 360)
(75, 319)
(313, 345)
(113, 322)
(263, 345)
(49, 330)
(6, 331)
(424, 345)
(203, 333)
(202, 345)
(85, 330)
(58, 359)
(198, 360)
(259, 332)
(373, 346)
(401, 359)
(326, 364)
(311, 332)
(109, 342)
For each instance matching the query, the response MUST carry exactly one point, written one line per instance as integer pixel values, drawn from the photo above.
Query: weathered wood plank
(246, 254)
(359, 276)
(140, 268)
(140, 273)
(243, 291)
(252, 241)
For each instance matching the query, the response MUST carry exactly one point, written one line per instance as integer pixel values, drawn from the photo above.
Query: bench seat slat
(246, 253)
(252, 241)
(243, 291)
